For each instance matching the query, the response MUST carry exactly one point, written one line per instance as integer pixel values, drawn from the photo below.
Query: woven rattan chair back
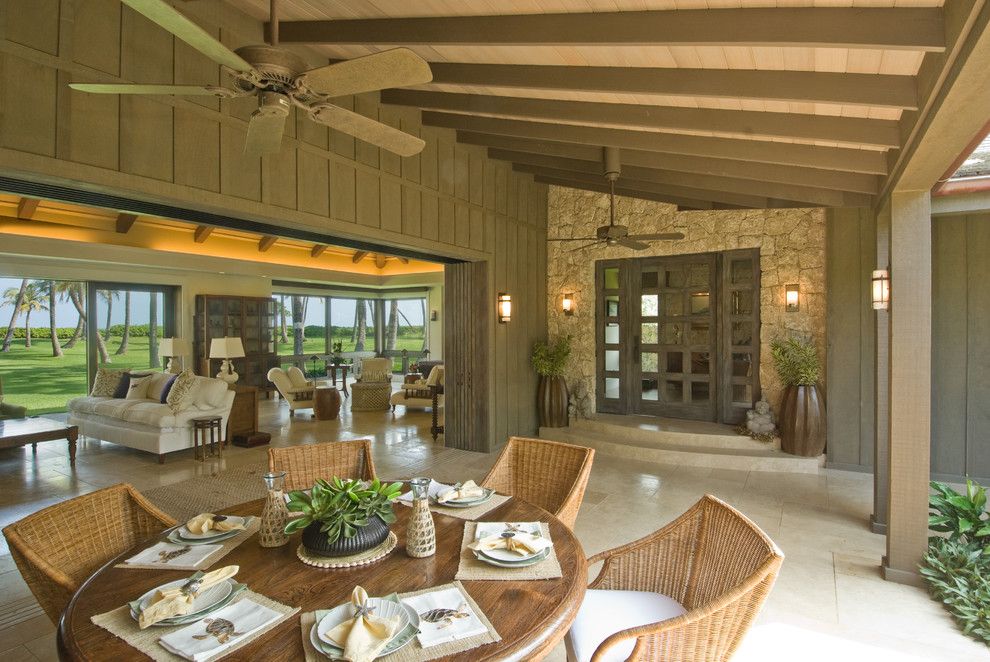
(58, 548)
(548, 474)
(304, 464)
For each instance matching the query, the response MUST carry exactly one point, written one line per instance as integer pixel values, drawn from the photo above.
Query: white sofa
(147, 424)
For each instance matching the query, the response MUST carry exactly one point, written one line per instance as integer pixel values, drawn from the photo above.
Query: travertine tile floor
(829, 603)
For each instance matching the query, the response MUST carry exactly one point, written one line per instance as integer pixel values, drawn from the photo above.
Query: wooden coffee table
(17, 432)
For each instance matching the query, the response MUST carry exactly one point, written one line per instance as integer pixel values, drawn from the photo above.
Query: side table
(205, 428)
(242, 424)
(332, 373)
(326, 403)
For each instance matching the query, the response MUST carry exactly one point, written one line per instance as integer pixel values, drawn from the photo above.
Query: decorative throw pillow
(376, 376)
(106, 382)
(180, 396)
(122, 386)
(167, 388)
(137, 388)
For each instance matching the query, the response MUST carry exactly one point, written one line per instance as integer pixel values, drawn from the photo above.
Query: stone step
(649, 431)
(686, 454)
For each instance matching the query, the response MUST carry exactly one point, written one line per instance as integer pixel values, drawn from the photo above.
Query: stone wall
(792, 250)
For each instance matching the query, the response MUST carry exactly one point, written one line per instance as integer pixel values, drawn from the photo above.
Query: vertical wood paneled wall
(449, 200)
(467, 331)
(851, 342)
(961, 347)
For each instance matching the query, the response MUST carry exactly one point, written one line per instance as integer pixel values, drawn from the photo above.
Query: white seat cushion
(603, 613)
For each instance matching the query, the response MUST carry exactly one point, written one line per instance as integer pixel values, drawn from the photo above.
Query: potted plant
(343, 517)
(802, 412)
(336, 349)
(552, 397)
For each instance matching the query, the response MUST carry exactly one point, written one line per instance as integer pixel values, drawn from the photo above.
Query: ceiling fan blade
(367, 129)
(662, 236)
(572, 238)
(264, 134)
(581, 248)
(398, 67)
(177, 90)
(629, 243)
(163, 14)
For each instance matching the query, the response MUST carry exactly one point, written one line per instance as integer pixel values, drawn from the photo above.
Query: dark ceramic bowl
(367, 537)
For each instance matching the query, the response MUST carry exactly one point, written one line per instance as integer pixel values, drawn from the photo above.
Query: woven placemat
(413, 651)
(227, 546)
(364, 558)
(470, 568)
(471, 513)
(120, 624)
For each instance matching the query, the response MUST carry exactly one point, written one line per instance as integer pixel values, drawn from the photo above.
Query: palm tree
(31, 302)
(283, 312)
(153, 332)
(52, 299)
(122, 349)
(298, 325)
(392, 328)
(361, 324)
(72, 291)
(13, 297)
(108, 296)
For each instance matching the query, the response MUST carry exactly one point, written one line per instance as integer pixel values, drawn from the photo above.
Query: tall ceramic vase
(802, 421)
(552, 399)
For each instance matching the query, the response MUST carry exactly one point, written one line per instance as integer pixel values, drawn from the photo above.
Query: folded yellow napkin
(469, 490)
(209, 522)
(179, 601)
(365, 635)
(523, 544)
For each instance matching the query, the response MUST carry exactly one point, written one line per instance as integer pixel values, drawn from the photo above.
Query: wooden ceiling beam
(630, 176)
(380, 260)
(403, 260)
(875, 90)
(26, 208)
(762, 151)
(125, 222)
(900, 28)
(266, 242)
(358, 256)
(318, 250)
(800, 126)
(761, 172)
(749, 200)
(202, 233)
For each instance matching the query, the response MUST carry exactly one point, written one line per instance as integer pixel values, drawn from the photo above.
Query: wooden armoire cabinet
(252, 319)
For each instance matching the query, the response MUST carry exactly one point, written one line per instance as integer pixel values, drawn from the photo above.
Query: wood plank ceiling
(712, 102)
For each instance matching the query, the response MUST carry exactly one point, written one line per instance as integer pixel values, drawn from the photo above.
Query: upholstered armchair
(9, 410)
(373, 387)
(419, 394)
(293, 386)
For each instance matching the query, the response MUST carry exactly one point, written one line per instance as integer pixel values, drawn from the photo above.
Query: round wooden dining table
(531, 616)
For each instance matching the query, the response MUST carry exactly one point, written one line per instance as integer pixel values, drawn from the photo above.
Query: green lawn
(42, 383)
(316, 346)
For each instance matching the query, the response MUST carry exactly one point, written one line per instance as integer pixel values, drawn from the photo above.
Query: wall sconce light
(881, 289)
(504, 307)
(567, 303)
(792, 298)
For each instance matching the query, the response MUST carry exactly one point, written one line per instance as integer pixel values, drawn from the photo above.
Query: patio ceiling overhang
(785, 106)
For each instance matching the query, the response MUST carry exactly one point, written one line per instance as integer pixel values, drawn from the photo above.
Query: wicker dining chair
(58, 548)
(685, 593)
(548, 474)
(304, 464)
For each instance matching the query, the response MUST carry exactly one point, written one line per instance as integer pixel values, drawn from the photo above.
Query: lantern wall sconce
(567, 303)
(880, 290)
(792, 298)
(504, 307)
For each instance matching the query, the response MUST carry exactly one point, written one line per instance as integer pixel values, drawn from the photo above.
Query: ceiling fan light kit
(280, 79)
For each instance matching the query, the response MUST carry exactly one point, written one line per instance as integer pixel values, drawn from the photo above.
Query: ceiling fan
(279, 79)
(612, 234)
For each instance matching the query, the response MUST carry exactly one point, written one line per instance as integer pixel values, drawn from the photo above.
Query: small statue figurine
(759, 420)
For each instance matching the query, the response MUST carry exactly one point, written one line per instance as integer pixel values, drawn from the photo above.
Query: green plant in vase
(549, 360)
(802, 411)
(341, 517)
(335, 353)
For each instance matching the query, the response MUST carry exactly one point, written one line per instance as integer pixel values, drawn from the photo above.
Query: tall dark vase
(802, 421)
(552, 398)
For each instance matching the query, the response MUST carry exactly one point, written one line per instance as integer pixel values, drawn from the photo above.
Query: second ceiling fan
(612, 234)
(280, 79)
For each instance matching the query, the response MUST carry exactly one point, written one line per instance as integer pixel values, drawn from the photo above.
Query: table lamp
(172, 348)
(226, 349)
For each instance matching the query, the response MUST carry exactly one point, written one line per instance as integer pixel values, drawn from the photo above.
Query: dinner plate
(505, 556)
(178, 539)
(403, 637)
(202, 603)
(533, 560)
(211, 535)
(467, 503)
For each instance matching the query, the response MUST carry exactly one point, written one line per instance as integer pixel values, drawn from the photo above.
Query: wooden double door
(679, 336)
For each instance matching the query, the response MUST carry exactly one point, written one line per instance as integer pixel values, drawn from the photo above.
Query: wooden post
(910, 384)
(881, 446)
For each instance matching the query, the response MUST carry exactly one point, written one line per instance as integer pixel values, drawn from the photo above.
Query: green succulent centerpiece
(340, 517)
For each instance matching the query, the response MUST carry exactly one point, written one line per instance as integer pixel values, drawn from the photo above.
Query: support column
(881, 445)
(910, 384)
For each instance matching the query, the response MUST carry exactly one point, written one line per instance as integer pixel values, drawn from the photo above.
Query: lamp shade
(173, 347)
(226, 348)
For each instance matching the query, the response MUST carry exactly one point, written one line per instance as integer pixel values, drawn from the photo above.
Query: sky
(342, 310)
